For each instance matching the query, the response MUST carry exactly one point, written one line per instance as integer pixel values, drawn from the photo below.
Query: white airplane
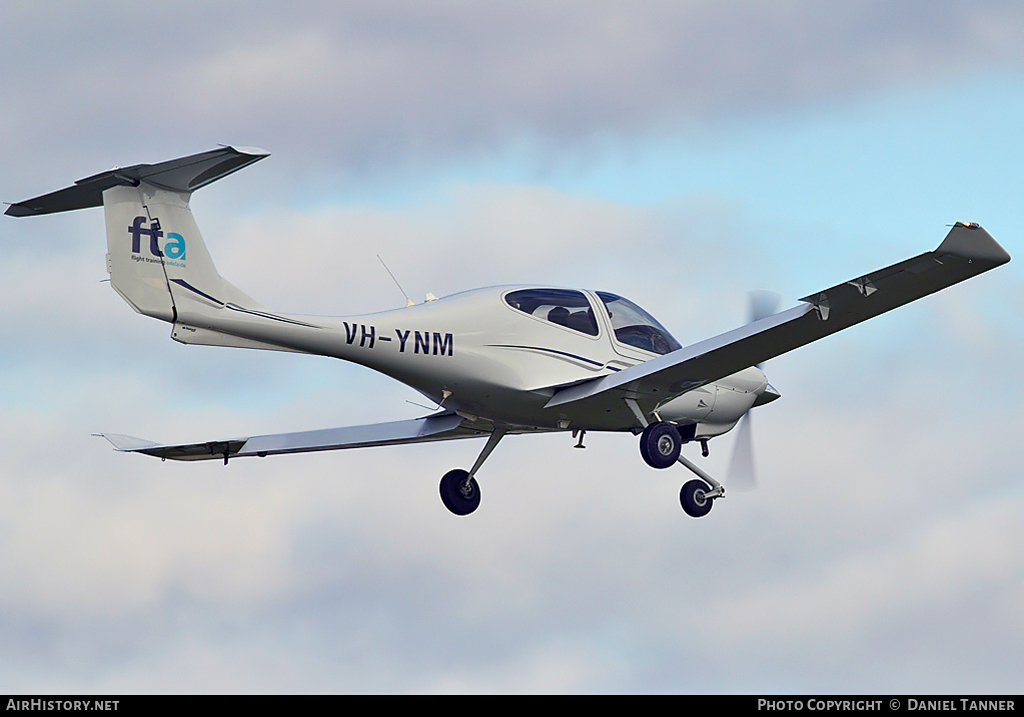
(497, 361)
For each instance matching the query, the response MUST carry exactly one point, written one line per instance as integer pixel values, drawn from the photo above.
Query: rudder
(156, 257)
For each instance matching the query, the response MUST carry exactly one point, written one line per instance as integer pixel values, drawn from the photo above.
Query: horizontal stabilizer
(185, 174)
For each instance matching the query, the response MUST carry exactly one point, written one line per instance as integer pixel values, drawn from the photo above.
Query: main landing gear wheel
(694, 500)
(460, 493)
(660, 444)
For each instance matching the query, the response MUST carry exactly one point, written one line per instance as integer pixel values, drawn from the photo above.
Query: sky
(677, 153)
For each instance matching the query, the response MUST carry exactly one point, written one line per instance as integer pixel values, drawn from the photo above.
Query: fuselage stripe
(236, 307)
(550, 351)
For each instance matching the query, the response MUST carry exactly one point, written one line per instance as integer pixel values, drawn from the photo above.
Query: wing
(967, 251)
(437, 427)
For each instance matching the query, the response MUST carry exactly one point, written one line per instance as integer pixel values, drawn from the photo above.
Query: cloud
(882, 551)
(407, 84)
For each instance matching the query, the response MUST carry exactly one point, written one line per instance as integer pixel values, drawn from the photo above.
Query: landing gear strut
(460, 492)
(660, 444)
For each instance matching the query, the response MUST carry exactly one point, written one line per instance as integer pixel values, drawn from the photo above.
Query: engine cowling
(716, 407)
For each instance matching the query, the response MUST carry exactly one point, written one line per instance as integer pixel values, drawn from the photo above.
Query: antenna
(408, 301)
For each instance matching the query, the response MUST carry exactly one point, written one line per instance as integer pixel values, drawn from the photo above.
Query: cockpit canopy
(559, 306)
(635, 327)
(632, 325)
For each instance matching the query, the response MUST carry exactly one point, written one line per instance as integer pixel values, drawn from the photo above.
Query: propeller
(762, 305)
(742, 475)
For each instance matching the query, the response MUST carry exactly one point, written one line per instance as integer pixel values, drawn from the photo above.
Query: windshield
(635, 327)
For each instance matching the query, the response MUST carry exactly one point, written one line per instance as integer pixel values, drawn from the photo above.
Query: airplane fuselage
(476, 354)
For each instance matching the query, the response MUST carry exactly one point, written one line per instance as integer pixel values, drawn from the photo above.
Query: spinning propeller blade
(742, 475)
(763, 304)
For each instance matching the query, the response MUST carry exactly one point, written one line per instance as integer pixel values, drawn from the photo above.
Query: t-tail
(156, 257)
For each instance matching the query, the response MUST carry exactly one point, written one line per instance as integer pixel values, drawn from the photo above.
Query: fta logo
(173, 250)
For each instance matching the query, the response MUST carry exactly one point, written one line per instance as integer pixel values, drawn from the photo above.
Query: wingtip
(122, 442)
(19, 210)
(251, 151)
(969, 241)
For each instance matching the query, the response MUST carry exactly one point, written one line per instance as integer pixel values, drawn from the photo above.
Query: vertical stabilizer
(155, 255)
(157, 259)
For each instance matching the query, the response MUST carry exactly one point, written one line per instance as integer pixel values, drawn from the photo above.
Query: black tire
(458, 496)
(660, 444)
(691, 497)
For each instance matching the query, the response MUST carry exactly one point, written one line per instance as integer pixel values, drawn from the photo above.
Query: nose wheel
(697, 496)
(694, 498)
